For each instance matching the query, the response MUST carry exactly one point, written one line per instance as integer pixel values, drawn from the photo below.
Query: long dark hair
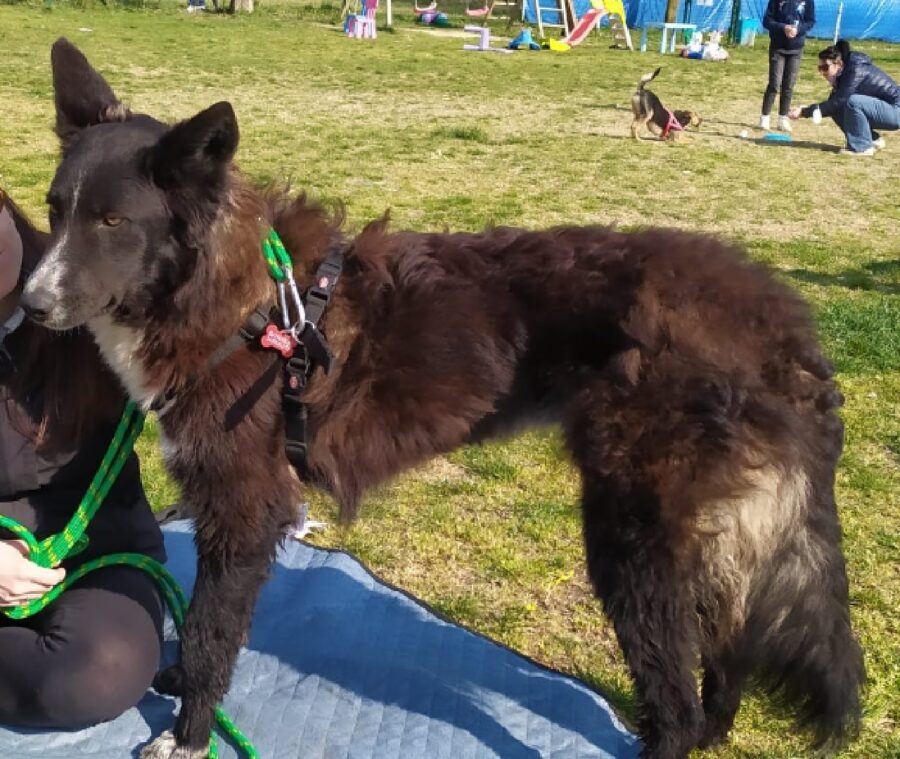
(839, 51)
(62, 370)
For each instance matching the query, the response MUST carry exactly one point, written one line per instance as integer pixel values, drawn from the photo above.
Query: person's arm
(806, 112)
(769, 21)
(22, 580)
(809, 18)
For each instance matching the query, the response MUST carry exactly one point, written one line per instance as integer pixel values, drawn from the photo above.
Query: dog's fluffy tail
(646, 78)
(799, 631)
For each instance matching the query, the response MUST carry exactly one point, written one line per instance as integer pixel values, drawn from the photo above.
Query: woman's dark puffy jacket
(859, 77)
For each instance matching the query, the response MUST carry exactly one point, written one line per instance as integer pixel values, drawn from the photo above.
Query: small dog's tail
(646, 78)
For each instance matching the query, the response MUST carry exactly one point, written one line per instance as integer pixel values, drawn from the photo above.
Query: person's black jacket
(781, 14)
(859, 77)
(41, 490)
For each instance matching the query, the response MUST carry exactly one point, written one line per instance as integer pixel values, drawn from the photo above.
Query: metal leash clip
(295, 326)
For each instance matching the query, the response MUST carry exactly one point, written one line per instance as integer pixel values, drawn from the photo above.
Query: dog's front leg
(230, 572)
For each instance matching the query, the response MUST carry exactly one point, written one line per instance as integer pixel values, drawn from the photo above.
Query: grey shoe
(879, 143)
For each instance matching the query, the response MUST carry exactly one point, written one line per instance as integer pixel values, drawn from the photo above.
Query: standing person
(863, 99)
(788, 22)
(93, 652)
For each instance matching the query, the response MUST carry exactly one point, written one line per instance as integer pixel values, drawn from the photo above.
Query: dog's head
(688, 118)
(129, 202)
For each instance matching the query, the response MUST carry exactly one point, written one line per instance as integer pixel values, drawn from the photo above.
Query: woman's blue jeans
(861, 119)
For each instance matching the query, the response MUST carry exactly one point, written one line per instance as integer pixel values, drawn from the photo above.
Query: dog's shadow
(337, 640)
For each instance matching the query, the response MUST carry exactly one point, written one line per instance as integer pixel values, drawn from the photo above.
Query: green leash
(51, 551)
(276, 256)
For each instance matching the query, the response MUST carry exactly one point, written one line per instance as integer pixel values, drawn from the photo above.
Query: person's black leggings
(783, 69)
(87, 658)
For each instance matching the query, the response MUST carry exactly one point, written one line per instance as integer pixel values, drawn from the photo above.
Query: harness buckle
(317, 348)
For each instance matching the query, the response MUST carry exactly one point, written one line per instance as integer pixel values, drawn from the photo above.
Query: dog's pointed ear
(190, 164)
(82, 96)
(196, 152)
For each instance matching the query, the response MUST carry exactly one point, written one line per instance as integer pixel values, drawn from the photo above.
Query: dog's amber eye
(112, 221)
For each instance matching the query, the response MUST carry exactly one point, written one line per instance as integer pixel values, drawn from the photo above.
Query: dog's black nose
(36, 304)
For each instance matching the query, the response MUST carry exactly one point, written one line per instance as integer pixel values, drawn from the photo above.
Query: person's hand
(790, 32)
(795, 112)
(22, 580)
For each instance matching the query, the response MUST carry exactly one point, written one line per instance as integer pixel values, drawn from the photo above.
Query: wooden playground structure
(547, 13)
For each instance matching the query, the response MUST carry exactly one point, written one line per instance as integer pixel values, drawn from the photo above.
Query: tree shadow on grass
(875, 276)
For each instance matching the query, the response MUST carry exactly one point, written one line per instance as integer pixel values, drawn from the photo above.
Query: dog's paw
(165, 747)
(170, 681)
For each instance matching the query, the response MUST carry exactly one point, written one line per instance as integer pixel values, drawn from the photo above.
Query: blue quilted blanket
(341, 666)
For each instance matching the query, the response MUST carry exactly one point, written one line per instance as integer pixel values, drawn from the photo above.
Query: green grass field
(453, 139)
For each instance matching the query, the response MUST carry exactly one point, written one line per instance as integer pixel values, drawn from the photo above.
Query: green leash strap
(51, 551)
(276, 256)
(175, 599)
(293, 312)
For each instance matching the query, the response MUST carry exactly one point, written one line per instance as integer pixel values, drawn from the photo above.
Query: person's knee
(854, 102)
(108, 678)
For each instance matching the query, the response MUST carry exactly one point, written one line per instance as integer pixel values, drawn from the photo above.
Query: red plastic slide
(584, 26)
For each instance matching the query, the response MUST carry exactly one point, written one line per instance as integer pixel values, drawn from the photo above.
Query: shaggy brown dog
(694, 398)
(651, 115)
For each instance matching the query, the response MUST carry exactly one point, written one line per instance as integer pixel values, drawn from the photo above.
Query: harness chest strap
(249, 332)
(311, 352)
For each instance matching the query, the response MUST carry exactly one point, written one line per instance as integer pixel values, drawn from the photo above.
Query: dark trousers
(783, 69)
(87, 658)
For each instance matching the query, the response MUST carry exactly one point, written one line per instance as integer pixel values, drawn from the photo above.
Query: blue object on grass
(523, 38)
(341, 665)
(777, 137)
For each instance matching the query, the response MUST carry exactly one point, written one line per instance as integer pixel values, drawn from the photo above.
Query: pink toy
(480, 12)
(362, 25)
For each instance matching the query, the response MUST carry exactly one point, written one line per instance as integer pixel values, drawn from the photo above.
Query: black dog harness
(302, 350)
(312, 351)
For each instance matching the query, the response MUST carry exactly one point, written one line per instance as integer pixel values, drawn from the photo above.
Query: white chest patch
(119, 346)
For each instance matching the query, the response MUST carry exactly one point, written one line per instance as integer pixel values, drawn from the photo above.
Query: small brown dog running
(651, 115)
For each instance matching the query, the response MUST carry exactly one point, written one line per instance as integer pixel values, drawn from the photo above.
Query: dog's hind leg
(722, 686)
(644, 444)
(636, 560)
(635, 573)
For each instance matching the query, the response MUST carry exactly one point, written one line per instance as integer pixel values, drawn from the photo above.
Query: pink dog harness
(674, 125)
